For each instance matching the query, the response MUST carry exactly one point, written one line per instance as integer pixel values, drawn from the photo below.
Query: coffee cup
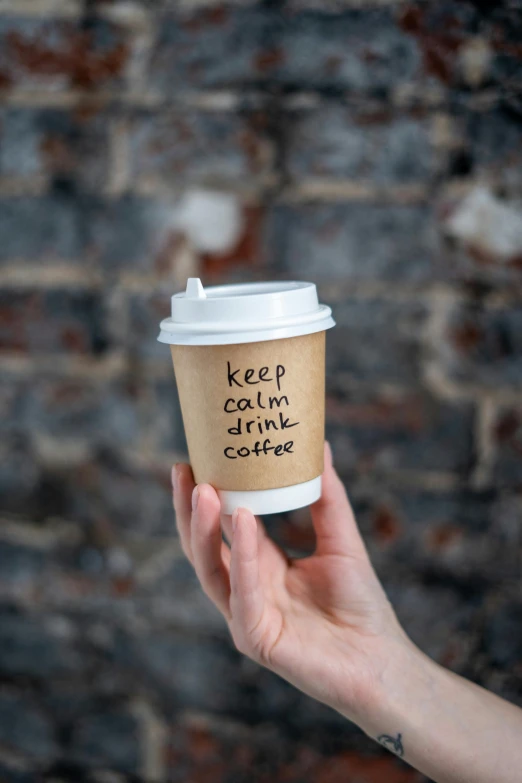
(249, 363)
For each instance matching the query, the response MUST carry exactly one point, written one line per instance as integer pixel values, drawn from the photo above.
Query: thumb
(332, 516)
(247, 595)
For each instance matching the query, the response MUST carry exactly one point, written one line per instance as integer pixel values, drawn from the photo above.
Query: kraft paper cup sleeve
(284, 408)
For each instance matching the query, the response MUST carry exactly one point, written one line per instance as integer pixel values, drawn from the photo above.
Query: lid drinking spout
(194, 289)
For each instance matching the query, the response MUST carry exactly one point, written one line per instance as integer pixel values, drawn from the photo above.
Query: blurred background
(371, 146)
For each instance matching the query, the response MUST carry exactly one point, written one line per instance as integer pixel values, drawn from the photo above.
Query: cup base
(272, 501)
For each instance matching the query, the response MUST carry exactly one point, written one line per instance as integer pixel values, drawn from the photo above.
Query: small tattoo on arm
(392, 743)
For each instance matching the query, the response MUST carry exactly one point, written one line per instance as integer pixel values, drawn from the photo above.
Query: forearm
(450, 729)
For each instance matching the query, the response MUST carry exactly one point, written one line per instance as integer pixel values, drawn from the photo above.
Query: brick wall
(373, 146)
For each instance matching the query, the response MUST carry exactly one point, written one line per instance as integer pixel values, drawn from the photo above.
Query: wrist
(402, 673)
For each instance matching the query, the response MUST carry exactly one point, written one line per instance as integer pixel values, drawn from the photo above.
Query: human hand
(322, 622)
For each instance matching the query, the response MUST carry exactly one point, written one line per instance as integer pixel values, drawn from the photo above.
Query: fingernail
(235, 516)
(195, 498)
(174, 477)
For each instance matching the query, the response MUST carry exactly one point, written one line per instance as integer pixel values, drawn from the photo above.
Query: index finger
(332, 516)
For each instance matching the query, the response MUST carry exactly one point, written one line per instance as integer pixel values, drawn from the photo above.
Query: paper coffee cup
(249, 367)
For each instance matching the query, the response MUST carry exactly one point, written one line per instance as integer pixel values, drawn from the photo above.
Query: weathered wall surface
(373, 147)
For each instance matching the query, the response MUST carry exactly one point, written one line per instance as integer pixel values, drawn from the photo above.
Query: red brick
(37, 740)
(248, 254)
(352, 767)
(504, 642)
(482, 344)
(353, 242)
(55, 53)
(146, 312)
(55, 144)
(190, 146)
(440, 32)
(359, 50)
(495, 144)
(110, 738)
(57, 321)
(376, 340)
(42, 228)
(202, 751)
(385, 432)
(131, 233)
(507, 438)
(22, 478)
(443, 30)
(380, 146)
(449, 536)
(208, 48)
(97, 412)
(294, 531)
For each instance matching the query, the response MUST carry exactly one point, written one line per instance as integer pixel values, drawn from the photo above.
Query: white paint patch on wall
(488, 225)
(211, 220)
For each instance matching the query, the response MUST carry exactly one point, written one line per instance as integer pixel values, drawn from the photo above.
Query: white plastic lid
(243, 313)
